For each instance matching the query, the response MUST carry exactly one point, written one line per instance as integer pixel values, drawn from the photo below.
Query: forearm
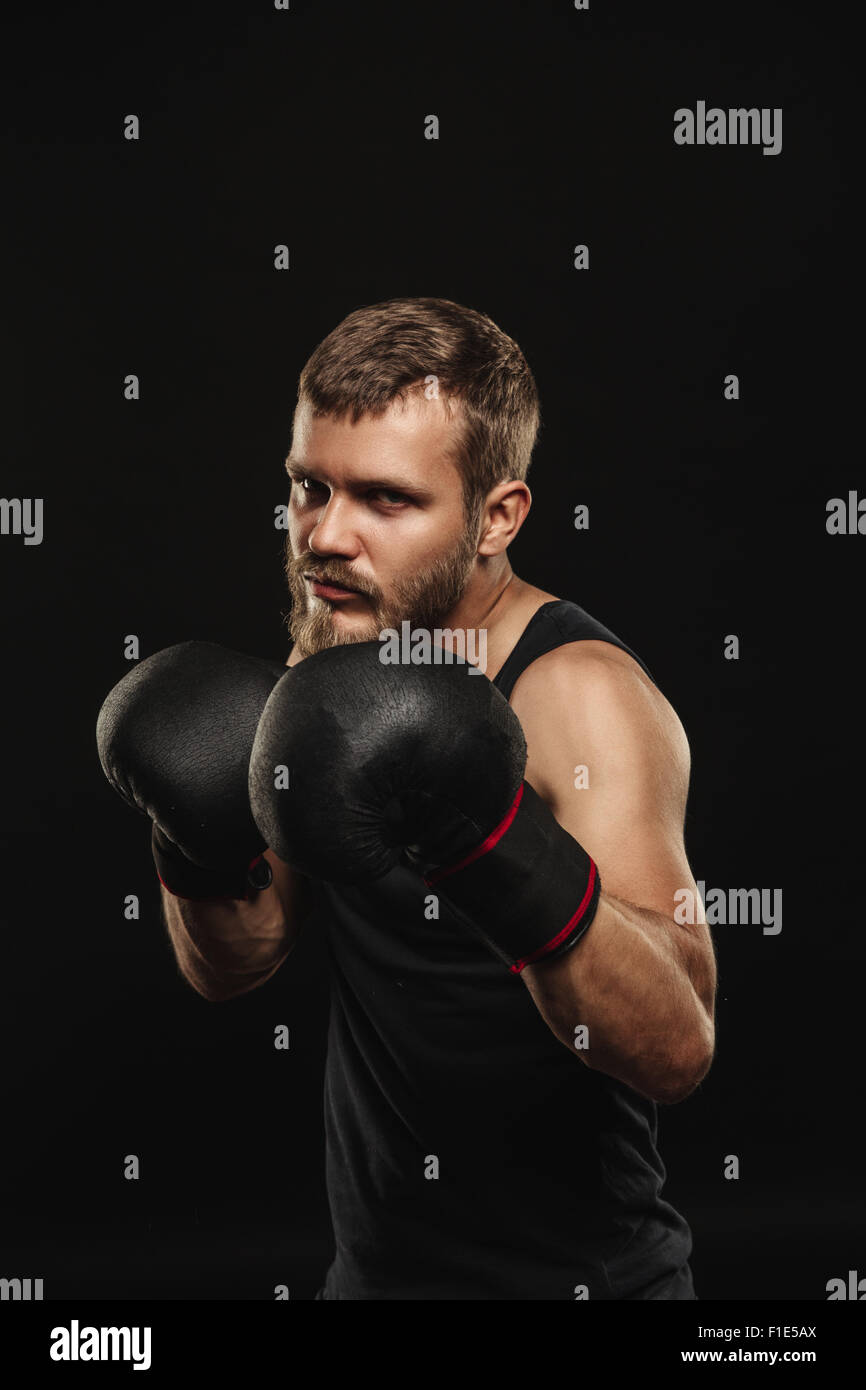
(642, 987)
(227, 947)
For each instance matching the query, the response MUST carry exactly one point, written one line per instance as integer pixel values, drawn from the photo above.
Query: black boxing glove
(422, 763)
(174, 739)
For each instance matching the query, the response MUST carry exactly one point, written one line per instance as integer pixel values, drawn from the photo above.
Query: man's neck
(501, 610)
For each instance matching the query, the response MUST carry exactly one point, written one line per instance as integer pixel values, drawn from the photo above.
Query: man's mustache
(342, 579)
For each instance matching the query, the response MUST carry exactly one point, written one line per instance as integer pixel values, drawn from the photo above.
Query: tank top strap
(553, 625)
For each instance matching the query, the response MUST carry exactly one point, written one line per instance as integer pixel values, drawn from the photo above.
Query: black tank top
(468, 1154)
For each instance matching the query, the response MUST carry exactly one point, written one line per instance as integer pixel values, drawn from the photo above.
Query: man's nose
(334, 532)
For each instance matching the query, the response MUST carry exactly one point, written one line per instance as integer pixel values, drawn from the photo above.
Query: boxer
(492, 856)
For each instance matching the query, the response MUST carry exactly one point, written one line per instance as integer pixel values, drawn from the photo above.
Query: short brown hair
(383, 353)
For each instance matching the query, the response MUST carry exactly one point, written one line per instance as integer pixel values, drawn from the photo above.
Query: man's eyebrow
(387, 484)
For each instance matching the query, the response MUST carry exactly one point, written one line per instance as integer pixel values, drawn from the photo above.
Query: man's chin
(339, 631)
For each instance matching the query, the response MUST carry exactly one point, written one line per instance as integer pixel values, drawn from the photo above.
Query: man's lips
(331, 591)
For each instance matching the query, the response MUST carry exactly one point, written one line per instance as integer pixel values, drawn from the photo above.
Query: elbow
(219, 989)
(210, 992)
(208, 986)
(219, 993)
(682, 1078)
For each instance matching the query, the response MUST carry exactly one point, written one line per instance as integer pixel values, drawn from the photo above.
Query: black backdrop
(707, 518)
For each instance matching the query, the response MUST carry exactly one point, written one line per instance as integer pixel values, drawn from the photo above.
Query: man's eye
(308, 485)
(391, 499)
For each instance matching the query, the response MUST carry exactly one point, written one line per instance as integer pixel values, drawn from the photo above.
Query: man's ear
(505, 509)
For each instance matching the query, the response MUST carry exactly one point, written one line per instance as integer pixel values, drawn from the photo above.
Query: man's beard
(424, 599)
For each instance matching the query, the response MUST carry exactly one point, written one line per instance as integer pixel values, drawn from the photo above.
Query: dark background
(707, 518)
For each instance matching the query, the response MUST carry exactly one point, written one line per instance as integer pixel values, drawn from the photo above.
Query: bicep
(610, 757)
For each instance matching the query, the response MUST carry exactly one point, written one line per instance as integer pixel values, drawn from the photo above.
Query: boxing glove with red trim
(358, 764)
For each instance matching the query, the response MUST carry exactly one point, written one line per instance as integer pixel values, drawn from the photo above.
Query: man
(491, 1132)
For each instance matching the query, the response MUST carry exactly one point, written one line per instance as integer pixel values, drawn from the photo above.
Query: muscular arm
(228, 947)
(643, 984)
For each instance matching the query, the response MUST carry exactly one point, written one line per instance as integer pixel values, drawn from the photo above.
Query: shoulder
(596, 693)
(588, 663)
